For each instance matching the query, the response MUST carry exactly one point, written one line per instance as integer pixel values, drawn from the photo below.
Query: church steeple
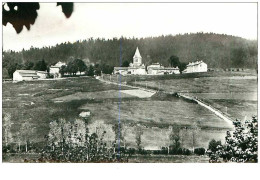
(137, 59)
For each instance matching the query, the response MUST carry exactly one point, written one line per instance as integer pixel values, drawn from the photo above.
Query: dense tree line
(217, 50)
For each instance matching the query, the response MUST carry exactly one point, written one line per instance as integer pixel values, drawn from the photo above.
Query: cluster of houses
(135, 68)
(138, 68)
(28, 75)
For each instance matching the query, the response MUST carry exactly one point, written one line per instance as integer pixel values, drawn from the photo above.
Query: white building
(157, 69)
(55, 69)
(134, 68)
(42, 74)
(28, 75)
(198, 66)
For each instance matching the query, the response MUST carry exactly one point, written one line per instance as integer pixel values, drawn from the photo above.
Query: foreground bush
(241, 146)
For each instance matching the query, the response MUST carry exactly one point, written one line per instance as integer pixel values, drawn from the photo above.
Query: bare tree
(195, 131)
(7, 124)
(26, 132)
(138, 136)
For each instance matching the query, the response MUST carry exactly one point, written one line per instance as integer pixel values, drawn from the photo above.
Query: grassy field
(33, 101)
(234, 93)
(41, 102)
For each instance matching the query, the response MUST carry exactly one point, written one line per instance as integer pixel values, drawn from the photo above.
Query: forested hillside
(217, 50)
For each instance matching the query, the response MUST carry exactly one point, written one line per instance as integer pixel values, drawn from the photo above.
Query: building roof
(137, 67)
(120, 68)
(164, 68)
(195, 63)
(27, 73)
(137, 53)
(42, 72)
(58, 65)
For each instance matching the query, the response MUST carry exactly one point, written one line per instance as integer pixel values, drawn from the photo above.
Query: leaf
(67, 8)
(20, 14)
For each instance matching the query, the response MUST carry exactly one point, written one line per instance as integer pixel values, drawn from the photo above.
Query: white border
(128, 171)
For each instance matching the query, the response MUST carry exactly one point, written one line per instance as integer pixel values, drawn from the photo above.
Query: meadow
(233, 93)
(41, 102)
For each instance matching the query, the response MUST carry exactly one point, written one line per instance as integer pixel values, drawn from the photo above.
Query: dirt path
(212, 109)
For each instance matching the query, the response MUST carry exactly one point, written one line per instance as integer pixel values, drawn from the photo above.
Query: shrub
(199, 151)
(186, 151)
(241, 146)
(213, 144)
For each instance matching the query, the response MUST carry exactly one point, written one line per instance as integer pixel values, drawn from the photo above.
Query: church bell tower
(137, 59)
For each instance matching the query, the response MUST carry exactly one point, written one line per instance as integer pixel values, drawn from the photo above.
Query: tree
(125, 64)
(241, 146)
(72, 68)
(175, 138)
(117, 128)
(138, 136)
(11, 68)
(26, 132)
(54, 136)
(63, 70)
(41, 65)
(182, 66)
(80, 65)
(174, 61)
(28, 65)
(106, 69)
(97, 70)
(91, 71)
(195, 131)
(213, 144)
(7, 124)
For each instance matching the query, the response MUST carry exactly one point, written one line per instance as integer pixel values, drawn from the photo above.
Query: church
(136, 67)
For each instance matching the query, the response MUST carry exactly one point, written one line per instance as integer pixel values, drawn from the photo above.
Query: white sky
(108, 20)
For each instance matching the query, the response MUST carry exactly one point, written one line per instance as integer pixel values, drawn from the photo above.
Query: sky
(108, 20)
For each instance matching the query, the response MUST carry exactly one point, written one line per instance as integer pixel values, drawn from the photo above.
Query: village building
(194, 67)
(28, 75)
(157, 69)
(55, 69)
(136, 67)
(42, 74)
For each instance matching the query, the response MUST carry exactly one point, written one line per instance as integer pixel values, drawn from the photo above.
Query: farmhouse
(157, 69)
(25, 75)
(55, 69)
(134, 68)
(198, 66)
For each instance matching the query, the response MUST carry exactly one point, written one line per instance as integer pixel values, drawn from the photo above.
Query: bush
(186, 151)
(199, 151)
(213, 144)
(241, 146)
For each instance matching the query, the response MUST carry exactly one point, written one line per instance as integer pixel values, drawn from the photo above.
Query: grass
(234, 93)
(34, 101)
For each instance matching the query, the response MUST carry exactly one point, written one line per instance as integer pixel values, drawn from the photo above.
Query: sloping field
(232, 93)
(157, 113)
(92, 95)
(155, 117)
